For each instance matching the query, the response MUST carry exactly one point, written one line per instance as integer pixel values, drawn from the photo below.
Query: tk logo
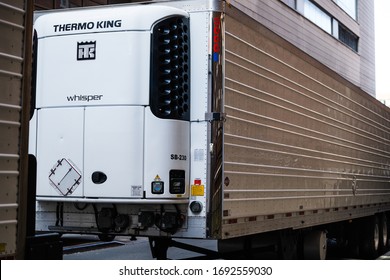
(86, 50)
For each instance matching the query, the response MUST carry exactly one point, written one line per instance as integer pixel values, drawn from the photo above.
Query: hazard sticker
(65, 177)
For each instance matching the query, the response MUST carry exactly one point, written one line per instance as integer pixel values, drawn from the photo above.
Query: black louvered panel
(170, 69)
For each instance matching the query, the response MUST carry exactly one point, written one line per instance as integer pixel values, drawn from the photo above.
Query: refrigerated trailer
(190, 119)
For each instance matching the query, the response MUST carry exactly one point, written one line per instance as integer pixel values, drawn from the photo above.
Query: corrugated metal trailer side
(302, 146)
(15, 52)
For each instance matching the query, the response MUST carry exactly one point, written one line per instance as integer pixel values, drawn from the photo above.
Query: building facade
(338, 33)
(62, 4)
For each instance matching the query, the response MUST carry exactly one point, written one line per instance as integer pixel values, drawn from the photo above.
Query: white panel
(120, 18)
(94, 69)
(114, 146)
(166, 147)
(60, 136)
(200, 25)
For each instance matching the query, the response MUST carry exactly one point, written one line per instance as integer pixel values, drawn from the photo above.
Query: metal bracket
(215, 116)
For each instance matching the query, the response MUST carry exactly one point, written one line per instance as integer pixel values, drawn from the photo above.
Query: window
(317, 16)
(348, 38)
(310, 10)
(349, 6)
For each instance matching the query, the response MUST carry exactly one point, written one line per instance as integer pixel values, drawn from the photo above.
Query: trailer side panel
(15, 60)
(302, 146)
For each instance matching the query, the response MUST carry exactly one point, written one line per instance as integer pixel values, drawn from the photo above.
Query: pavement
(385, 256)
(123, 248)
(88, 247)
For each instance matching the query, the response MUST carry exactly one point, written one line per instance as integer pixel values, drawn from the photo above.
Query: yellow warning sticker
(157, 178)
(197, 190)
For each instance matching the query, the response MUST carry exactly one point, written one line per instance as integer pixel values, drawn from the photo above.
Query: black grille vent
(170, 69)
